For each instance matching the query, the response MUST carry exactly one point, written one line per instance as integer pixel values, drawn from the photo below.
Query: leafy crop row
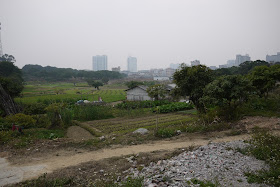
(173, 107)
(141, 104)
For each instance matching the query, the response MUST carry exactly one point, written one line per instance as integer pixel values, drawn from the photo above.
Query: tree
(11, 84)
(132, 84)
(95, 84)
(227, 92)
(264, 79)
(157, 91)
(191, 81)
(105, 80)
(230, 90)
(7, 58)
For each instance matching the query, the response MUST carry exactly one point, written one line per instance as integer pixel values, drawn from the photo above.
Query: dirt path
(16, 173)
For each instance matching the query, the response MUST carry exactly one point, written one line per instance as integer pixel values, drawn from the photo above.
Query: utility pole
(1, 50)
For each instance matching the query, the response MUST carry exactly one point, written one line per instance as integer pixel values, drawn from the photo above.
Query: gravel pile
(217, 162)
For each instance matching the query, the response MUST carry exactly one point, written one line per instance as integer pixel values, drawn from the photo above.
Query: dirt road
(16, 173)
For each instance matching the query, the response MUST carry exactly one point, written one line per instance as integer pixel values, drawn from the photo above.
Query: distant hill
(48, 73)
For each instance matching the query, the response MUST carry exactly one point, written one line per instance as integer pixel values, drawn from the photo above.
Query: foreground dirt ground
(53, 157)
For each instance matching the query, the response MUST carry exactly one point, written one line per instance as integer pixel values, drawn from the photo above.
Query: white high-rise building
(99, 62)
(195, 63)
(132, 64)
(240, 59)
(273, 58)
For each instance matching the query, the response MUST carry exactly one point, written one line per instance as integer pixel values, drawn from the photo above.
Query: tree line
(48, 73)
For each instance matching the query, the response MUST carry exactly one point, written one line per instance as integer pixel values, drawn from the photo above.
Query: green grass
(33, 92)
(18, 140)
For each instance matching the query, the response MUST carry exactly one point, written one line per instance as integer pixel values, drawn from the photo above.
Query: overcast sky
(67, 33)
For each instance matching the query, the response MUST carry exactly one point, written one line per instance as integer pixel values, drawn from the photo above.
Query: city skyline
(66, 33)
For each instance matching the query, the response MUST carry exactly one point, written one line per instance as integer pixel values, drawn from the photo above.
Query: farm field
(121, 126)
(57, 92)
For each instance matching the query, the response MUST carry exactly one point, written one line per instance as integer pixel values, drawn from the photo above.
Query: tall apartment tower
(132, 64)
(99, 62)
(240, 59)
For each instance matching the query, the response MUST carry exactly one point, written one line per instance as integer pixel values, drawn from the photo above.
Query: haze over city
(69, 33)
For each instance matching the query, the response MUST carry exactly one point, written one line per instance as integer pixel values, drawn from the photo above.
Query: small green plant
(203, 183)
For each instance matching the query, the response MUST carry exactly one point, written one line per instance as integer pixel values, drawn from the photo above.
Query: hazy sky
(67, 33)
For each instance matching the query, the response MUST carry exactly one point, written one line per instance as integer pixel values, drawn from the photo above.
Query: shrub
(42, 121)
(266, 147)
(33, 109)
(165, 133)
(23, 120)
(4, 124)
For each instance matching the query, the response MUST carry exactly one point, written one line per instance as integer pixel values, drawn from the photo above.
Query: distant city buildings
(132, 64)
(240, 59)
(195, 63)
(174, 66)
(99, 62)
(213, 67)
(230, 63)
(117, 69)
(273, 58)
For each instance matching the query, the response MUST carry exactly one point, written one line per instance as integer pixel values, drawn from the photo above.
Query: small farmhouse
(138, 93)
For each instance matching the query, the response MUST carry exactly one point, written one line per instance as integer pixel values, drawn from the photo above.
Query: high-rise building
(99, 62)
(230, 63)
(132, 64)
(195, 63)
(240, 59)
(273, 58)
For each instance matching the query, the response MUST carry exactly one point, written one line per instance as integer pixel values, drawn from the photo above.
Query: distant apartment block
(170, 72)
(213, 67)
(174, 66)
(195, 63)
(230, 63)
(273, 58)
(132, 64)
(240, 59)
(117, 69)
(99, 62)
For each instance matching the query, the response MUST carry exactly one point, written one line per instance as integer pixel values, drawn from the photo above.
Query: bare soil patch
(77, 133)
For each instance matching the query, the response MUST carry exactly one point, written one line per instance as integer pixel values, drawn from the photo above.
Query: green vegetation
(17, 140)
(48, 73)
(141, 104)
(265, 146)
(191, 81)
(48, 93)
(157, 91)
(173, 107)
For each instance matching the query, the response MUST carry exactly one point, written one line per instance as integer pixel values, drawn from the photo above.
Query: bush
(4, 124)
(165, 133)
(33, 109)
(42, 121)
(22, 120)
